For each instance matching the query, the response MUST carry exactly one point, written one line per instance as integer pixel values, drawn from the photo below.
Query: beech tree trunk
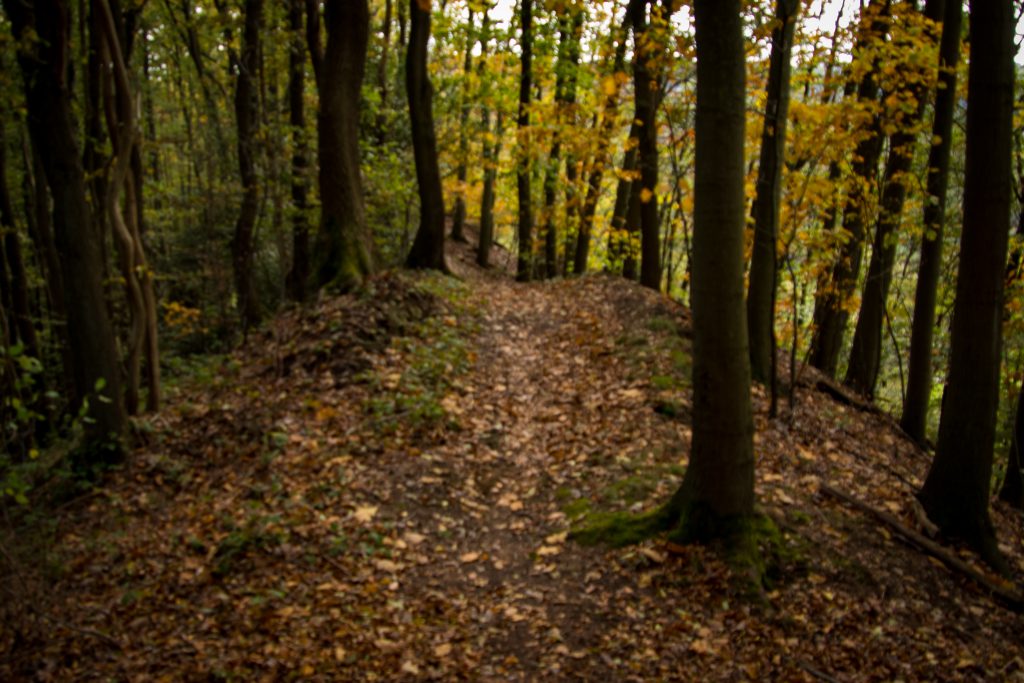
(461, 170)
(866, 352)
(645, 90)
(765, 210)
(717, 494)
(45, 64)
(601, 160)
(247, 118)
(570, 26)
(524, 264)
(919, 367)
(428, 246)
(1012, 489)
(956, 491)
(830, 314)
(344, 250)
(16, 292)
(298, 276)
(382, 74)
(618, 237)
(491, 152)
(550, 234)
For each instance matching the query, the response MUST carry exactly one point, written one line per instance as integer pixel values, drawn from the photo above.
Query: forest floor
(380, 488)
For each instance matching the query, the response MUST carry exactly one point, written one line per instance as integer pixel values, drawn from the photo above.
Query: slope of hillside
(380, 488)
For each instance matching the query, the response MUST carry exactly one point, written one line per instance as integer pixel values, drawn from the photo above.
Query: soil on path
(380, 489)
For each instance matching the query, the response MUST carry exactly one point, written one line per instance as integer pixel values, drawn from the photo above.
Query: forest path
(378, 487)
(549, 395)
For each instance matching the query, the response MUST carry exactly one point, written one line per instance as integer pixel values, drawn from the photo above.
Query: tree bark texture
(717, 492)
(919, 367)
(524, 265)
(461, 170)
(956, 491)
(491, 152)
(123, 184)
(344, 247)
(866, 351)
(645, 90)
(830, 313)
(763, 261)
(618, 235)
(45, 64)
(248, 121)
(298, 276)
(428, 246)
(604, 132)
(17, 288)
(1012, 489)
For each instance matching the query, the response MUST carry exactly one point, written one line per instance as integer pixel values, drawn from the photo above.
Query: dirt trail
(547, 394)
(293, 515)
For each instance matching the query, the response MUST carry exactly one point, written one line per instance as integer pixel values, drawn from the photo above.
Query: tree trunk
(45, 64)
(524, 264)
(124, 181)
(461, 170)
(604, 134)
(634, 217)
(344, 246)
(382, 75)
(763, 261)
(10, 249)
(830, 313)
(550, 234)
(247, 117)
(645, 90)
(492, 151)
(866, 352)
(956, 491)
(298, 276)
(1012, 490)
(919, 367)
(428, 246)
(717, 494)
(618, 237)
(567, 77)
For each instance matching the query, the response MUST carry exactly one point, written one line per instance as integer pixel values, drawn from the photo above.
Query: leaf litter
(284, 521)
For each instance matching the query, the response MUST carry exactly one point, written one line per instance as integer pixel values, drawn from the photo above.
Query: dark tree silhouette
(428, 246)
(956, 491)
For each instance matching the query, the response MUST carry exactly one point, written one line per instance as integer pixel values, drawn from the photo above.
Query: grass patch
(618, 529)
(435, 351)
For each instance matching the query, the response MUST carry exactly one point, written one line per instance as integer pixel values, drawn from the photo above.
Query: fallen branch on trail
(1011, 597)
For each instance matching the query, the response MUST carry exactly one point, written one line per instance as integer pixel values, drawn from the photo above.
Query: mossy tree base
(752, 545)
(346, 262)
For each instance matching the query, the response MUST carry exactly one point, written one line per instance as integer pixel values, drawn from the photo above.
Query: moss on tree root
(752, 545)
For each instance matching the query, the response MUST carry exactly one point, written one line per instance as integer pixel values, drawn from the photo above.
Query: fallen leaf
(557, 538)
(365, 513)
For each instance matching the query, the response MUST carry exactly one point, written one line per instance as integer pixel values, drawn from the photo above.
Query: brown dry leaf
(365, 513)
(652, 555)
(413, 538)
(443, 650)
(466, 558)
